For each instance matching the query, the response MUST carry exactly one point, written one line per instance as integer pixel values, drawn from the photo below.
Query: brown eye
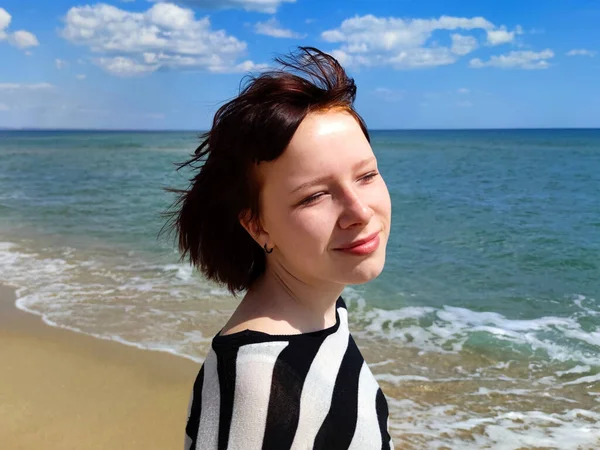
(311, 199)
(369, 176)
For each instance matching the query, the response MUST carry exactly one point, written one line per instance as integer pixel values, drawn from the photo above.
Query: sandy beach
(64, 390)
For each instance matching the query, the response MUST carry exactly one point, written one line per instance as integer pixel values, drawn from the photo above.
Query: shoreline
(42, 319)
(65, 390)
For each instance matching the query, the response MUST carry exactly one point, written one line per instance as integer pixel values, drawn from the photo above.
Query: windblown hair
(255, 126)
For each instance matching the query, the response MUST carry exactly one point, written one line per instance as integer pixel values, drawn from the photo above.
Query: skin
(323, 193)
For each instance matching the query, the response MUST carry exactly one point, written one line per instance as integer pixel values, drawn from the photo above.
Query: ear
(254, 228)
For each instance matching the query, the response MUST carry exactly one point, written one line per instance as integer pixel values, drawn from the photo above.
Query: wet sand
(64, 390)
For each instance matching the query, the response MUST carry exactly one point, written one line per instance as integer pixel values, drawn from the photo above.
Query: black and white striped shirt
(305, 391)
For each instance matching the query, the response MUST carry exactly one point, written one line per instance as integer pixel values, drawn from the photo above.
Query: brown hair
(255, 126)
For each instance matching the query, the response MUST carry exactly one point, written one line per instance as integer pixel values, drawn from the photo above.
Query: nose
(355, 211)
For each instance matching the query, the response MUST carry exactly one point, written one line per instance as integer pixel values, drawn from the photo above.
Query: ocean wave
(120, 297)
(448, 426)
(452, 330)
(55, 281)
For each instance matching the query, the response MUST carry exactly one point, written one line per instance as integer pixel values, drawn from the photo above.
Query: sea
(483, 330)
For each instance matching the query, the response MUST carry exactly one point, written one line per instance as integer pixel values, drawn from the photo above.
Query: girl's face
(324, 206)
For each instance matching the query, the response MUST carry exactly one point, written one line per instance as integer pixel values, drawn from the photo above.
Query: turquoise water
(490, 297)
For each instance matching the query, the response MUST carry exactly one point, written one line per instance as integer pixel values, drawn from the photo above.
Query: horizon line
(187, 130)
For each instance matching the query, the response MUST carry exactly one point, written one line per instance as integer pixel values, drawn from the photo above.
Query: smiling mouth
(362, 246)
(359, 242)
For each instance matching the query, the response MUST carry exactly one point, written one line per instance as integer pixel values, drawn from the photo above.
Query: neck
(305, 306)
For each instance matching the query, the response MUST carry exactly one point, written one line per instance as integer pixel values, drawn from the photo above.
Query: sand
(64, 390)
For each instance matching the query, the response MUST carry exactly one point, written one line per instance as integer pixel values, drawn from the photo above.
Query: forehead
(321, 130)
(325, 144)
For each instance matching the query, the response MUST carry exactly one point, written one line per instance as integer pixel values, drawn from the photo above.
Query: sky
(153, 64)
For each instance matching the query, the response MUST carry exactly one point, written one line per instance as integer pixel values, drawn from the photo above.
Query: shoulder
(262, 324)
(242, 321)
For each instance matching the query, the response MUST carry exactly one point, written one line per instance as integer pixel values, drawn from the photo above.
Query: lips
(359, 242)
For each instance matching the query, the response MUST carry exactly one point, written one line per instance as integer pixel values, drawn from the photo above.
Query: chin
(365, 271)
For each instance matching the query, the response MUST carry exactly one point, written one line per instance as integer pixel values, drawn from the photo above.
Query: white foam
(219, 292)
(423, 426)
(382, 363)
(398, 379)
(353, 298)
(76, 294)
(182, 271)
(576, 369)
(486, 391)
(561, 338)
(502, 365)
(549, 380)
(521, 393)
(6, 246)
(589, 379)
(499, 322)
(591, 337)
(578, 299)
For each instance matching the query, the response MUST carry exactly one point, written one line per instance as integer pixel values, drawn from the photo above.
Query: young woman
(287, 205)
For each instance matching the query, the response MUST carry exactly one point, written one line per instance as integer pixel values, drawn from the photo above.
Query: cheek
(311, 226)
(383, 201)
(303, 233)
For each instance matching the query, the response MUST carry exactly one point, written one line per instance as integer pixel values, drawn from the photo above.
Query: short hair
(255, 126)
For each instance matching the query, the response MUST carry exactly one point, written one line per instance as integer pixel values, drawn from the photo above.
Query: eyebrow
(320, 180)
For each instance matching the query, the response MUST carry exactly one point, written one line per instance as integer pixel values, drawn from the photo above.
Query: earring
(265, 248)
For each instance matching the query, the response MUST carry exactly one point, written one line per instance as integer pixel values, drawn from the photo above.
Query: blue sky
(418, 64)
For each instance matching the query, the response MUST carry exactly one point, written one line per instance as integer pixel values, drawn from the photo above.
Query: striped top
(305, 391)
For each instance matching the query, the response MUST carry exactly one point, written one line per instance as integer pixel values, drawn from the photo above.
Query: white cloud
(5, 19)
(461, 45)
(410, 58)
(264, 6)
(516, 59)
(21, 39)
(403, 43)
(164, 36)
(80, 76)
(581, 52)
(122, 66)
(25, 86)
(126, 67)
(60, 63)
(245, 66)
(423, 57)
(498, 37)
(36, 106)
(463, 91)
(273, 28)
(501, 36)
(18, 96)
(369, 33)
